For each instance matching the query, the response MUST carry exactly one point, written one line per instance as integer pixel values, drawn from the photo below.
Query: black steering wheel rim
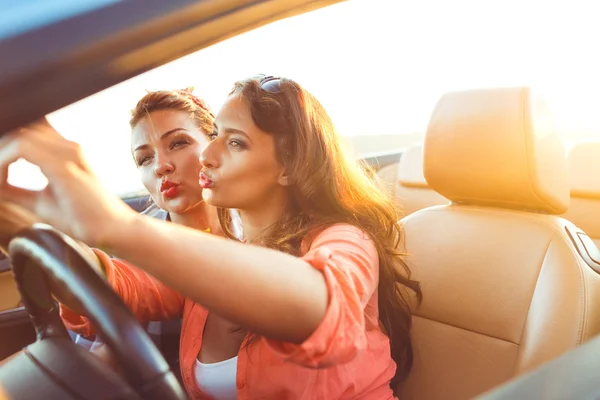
(40, 253)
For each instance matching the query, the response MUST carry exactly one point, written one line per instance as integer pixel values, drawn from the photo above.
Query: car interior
(406, 183)
(584, 209)
(515, 206)
(501, 221)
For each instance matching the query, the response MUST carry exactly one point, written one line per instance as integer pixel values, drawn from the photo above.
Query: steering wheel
(41, 253)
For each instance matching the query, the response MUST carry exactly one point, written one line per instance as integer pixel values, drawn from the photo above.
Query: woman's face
(166, 147)
(241, 169)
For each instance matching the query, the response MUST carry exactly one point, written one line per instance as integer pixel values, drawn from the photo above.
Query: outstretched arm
(269, 292)
(266, 291)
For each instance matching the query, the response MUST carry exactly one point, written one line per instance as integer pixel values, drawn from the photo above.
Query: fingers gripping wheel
(41, 253)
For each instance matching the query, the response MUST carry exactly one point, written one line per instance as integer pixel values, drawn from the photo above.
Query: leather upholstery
(505, 288)
(387, 178)
(496, 150)
(407, 185)
(413, 191)
(584, 174)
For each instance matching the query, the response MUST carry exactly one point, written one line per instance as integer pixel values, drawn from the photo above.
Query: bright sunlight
(378, 66)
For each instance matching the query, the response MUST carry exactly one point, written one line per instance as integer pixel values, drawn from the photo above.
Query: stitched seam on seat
(545, 256)
(465, 329)
(584, 301)
(522, 213)
(584, 304)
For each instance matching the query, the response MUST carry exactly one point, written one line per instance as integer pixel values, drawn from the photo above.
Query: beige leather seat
(407, 183)
(506, 287)
(584, 173)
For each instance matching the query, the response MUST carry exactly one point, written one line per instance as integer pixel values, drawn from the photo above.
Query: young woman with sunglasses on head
(313, 305)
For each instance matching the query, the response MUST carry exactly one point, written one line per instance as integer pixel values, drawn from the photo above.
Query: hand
(74, 201)
(13, 218)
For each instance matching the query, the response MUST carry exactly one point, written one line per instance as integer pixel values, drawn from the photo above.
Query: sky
(378, 66)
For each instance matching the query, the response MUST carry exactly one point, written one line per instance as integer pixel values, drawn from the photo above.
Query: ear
(283, 179)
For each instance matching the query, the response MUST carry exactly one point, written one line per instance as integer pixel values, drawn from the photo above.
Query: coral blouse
(346, 357)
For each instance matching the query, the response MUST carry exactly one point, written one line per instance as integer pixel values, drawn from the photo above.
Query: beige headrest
(499, 148)
(584, 170)
(410, 168)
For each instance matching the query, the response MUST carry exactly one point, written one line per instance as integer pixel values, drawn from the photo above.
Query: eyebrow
(162, 137)
(232, 130)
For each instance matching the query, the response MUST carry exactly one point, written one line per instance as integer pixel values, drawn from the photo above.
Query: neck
(257, 221)
(201, 217)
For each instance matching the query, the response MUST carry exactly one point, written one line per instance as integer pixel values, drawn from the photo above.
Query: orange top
(347, 357)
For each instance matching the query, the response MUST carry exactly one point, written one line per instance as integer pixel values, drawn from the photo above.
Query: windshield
(378, 66)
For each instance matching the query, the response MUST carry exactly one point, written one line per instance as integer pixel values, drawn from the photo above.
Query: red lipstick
(169, 189)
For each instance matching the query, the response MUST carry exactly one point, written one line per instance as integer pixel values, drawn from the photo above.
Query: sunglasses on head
(269, 83)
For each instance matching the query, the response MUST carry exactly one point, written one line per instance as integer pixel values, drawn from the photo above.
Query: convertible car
(502, 216)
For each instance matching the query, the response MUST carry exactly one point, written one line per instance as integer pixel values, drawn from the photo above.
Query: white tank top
(217, 380)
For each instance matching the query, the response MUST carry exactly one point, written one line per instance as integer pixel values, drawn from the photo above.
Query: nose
(210, 156)
(164, 166)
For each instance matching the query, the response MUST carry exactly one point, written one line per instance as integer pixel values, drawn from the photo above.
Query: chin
(223, 201)
(176, 205)
(213, 199)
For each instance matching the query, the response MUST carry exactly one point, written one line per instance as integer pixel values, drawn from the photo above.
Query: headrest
(499, 148)
(584, 170)
(410, 168)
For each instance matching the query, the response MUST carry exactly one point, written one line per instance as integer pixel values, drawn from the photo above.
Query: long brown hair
(330, 187)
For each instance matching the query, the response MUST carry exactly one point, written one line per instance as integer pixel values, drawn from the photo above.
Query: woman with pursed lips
(313, 303)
